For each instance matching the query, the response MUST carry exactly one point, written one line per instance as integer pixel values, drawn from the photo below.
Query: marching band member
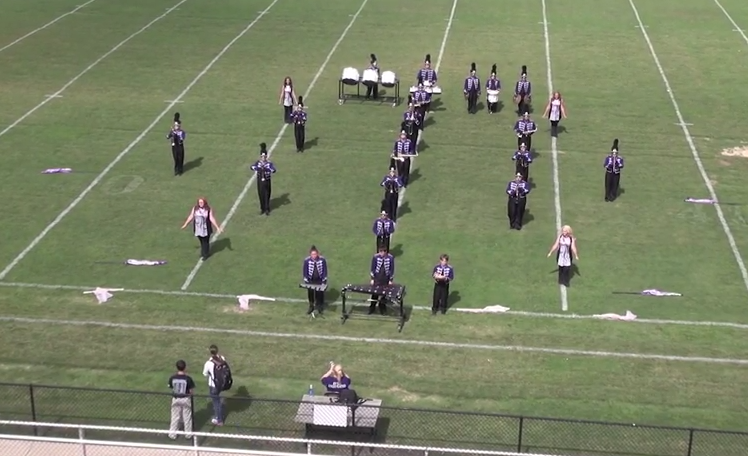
(613, 166)
(287, 98)
(443, 275)
(383, 228)
(392, 185)
(471, 90)
(264, 170)
(493, 88)
(565, 246)
(420, 101)
(554, 111)
(517, 191)
(383, 274)
(314, 271)
(400, 158)
(411, 123)
(525, 128)
(426, 74)
(177, 135)
(372, 91)
(523, 92)
(522, 159)
(299, 118)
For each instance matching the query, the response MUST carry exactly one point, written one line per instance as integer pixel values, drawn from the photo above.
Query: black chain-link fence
(415, 427)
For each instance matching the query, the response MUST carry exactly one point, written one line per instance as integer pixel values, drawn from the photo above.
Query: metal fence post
(519, 433)
(32, 402)
(690, 442)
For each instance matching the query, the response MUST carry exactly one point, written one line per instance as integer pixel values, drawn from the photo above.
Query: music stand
(392, 294)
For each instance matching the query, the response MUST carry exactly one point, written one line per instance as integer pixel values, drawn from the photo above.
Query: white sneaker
(214, 421)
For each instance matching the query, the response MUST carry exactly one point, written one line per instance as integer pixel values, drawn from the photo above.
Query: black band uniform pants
(612, 182)
(383, 241)
(516, 212)
(299, 132)
(264, 190)
(441, 294)
(177, 153)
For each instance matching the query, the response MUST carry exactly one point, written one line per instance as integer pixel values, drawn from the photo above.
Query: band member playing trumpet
(522, 159)
(443, 275)
(264, 170)
(400, 158)
(517, 191)
(411, 123)
(613, 165)
(372, 91)
(420, 102)
(471, 89)
(314, 272)
(392, 185)
(525, 128)
(383, 228)
(523, 92)
(299, 118)
(493, 88)
(382, 272)
(554, 111)
(176, 136)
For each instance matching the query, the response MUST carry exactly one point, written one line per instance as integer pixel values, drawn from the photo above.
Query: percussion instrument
(313, 286)
(493, 96)
(350, 76)
(392, 294)
(370, 77)
(516, 99)
(435, 90)
(389, 79)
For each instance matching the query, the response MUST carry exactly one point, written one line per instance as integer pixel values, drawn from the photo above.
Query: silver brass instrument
(313, 286)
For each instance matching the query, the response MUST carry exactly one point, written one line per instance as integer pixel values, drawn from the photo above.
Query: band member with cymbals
(471, 89)
(287, 98)
(382, 274)
(554, 111)
(392, 185)
(525, 128)
(203, 221)
(372, 90)
(383, 228)
(420, 102)
(299, 118)
(443, 275)
(176, 136)
(314, 272)
(517, 191)
(264, 169)
(400, 157)
(411, 123)
(522, 159)
(523, 92)
(613, 165)
(493, 88)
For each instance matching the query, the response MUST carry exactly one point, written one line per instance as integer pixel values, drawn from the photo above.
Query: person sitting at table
(335, 380)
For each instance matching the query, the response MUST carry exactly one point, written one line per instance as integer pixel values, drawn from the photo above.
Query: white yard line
(57, 94)
(53, 21)
(401, 196)
(131, 146)
(276, 141)
(696, 157)
(554, 148)
(732, 21)
(513, 313)
(381, 341)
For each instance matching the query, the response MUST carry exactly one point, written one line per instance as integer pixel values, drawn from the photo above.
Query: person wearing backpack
(218, 373)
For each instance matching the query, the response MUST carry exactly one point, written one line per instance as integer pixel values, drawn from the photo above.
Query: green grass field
(109, 122)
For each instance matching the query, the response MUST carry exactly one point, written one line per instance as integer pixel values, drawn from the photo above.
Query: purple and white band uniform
(177, 136)
(264, 170)
(421, 101)
(400, 159)
(392, 185)
(314, 271)
(525, 128)
(493, 86)
(523, 92)
(383, 228)
(299, 118)
(382, 271)
(564, 260)
(522, 159)
(471, 89)
(441, 285)
(410, 124)
(428, 77)
(613, 165)
(517, 191)
(372, 90)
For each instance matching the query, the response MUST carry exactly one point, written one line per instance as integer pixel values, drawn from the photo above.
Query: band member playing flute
(287, 98)
(264, 169)
(443, 275)
(565, 246)
(392, 185)
(471, 89)
(517, 191)
(554, 111)
(522, 159)
(382, 272)
(613, 165)
(314, 271)
(523, 92)
(493, 89)
(400, 158)
(383, 228)
(299, 118)
(411, 123)
(176, 136)
(525, 128)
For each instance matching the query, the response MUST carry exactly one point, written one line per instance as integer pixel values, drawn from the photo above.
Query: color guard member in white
(287, 98)
(565, 246)
(554, 111)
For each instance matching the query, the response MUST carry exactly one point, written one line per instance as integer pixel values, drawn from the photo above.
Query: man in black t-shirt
(182, 387)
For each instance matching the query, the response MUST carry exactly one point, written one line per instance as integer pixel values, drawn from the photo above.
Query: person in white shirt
(215, 393)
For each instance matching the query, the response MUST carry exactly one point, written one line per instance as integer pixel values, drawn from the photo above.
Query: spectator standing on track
(182, 387)
(218, 373)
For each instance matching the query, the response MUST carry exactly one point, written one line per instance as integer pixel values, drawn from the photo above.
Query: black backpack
(222, 378)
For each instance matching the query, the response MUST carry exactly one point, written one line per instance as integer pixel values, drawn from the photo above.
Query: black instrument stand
(342, 96)
(393, 296)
